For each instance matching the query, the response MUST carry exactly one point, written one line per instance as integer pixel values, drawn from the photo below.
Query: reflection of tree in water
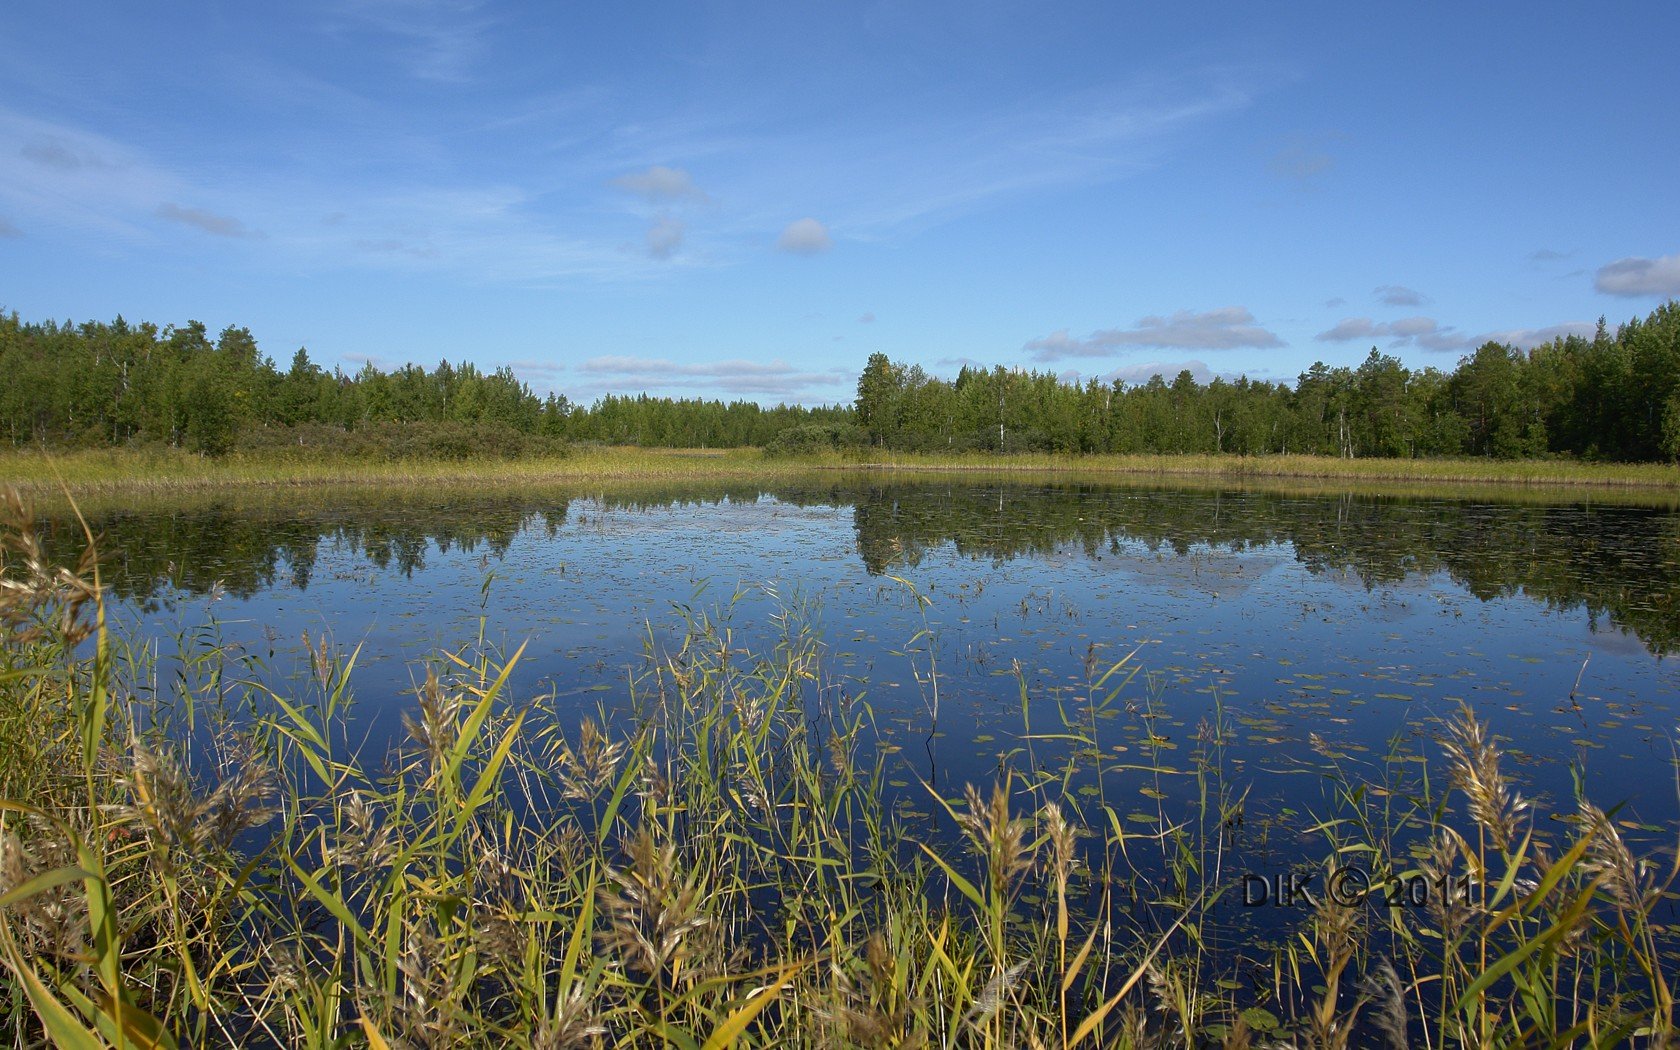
(1619, 563)
(247, 550)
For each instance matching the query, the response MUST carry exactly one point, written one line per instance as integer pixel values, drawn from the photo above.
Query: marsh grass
(1478, 471)
(139, 471)
(205, 858)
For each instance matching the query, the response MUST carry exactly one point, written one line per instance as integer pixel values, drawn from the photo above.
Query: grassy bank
(724, 862)
(1454, 471)
(124, 471)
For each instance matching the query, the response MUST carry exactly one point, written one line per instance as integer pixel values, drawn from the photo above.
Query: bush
(809, 438)
(392, 442)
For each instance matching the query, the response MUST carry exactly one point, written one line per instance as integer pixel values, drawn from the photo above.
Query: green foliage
(1610, 398)
(812, 438)
(1614, 397)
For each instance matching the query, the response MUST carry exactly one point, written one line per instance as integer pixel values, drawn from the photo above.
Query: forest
(1613, 397)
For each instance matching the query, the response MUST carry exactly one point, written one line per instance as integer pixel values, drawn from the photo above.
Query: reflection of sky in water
(1287, 650)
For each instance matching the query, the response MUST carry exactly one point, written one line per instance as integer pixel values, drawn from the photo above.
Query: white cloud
(664, 237)
(804, 237)
(1398, 295)
(1639, 277)
(660, 183)
(1228, 328)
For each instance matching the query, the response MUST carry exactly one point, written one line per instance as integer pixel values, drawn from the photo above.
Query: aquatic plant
(206, 857)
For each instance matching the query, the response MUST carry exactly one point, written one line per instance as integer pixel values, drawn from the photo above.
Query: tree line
(1612, 397)
(122, 384)
(1615, 396)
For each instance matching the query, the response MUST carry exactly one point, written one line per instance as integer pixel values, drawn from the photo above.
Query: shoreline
(122, 472)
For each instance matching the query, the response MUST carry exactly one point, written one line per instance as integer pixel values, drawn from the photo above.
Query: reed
(204, 858)
(140, 471)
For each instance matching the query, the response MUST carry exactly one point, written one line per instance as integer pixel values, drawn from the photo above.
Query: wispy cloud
(1544, 255)
(866, 318)
(614, 373)
(513, 219)
(1398, 295)
(804, 237)
(64, 176)
(7, 229)
(440, 40)
(1228, 328)
(208, 222)
(879, 181)
(1635, 276)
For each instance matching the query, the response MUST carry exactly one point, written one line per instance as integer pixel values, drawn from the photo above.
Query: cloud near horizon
(1430, 334)
(778, 378)
(1228, 328)
(1137, 375)
(1633, 277)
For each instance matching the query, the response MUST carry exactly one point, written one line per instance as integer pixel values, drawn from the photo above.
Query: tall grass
(203, 858)
(130, 471)
(1456, 470)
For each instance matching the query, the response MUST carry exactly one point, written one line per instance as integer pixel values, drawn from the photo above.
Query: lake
(1314, 629)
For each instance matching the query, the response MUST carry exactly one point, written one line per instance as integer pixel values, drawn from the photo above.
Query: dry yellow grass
(130, 473)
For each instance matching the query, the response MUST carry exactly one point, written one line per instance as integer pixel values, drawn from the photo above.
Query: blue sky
(733, 199)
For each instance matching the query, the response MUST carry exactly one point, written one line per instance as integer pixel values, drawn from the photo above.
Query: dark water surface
(1361, 619)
